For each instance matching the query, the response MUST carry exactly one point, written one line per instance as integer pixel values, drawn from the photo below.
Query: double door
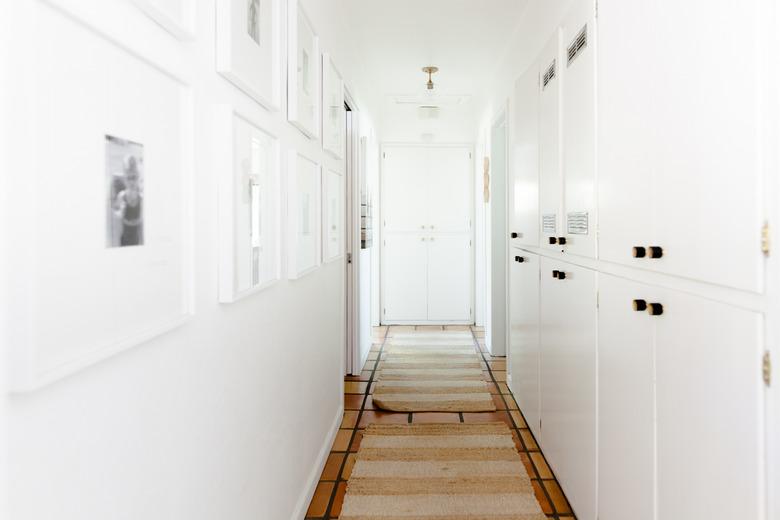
(427, 244)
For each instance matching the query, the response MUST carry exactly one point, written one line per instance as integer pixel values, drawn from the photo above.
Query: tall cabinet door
(404, 196)
(708, 358)
(524, 335)
(626, 400)
(579, 129)
(449, 278)
(405, 277)
(450, 188)
(698, 178)
(568, 374)
(550, 180)
(524, 184)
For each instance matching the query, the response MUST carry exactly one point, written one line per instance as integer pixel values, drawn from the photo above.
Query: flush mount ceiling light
(430, 71)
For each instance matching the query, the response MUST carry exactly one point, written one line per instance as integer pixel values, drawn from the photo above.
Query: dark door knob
(562, 241)
(656, 252)
(519, 259)
(655, 309)
(561, 275)
(556, 274)
(640, 305)
(514, 235)
(640, 252)
(553, 240)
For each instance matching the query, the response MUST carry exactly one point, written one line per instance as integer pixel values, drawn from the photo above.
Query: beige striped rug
(432, 372)
(438, 472)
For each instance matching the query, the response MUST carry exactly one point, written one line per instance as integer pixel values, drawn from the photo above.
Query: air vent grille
(577, 223)
(548, 75)
(550, 224)
(578, 45)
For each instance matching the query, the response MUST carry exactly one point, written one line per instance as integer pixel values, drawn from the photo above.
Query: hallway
(360, 412)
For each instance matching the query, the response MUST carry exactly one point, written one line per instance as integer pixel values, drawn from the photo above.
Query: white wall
(226, 417)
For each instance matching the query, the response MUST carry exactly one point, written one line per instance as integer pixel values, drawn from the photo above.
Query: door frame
(352, 164)
(381, 239)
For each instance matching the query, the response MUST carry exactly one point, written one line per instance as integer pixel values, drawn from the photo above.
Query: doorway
(496, 238)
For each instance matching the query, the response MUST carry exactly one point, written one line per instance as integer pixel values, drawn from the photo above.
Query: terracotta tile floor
(360, 411)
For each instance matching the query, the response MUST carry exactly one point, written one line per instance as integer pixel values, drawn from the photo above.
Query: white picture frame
(249, 48)
(333, 215)
(175, 16)
(333, 112)
(303, 215)
(247, 162)
(303, 72)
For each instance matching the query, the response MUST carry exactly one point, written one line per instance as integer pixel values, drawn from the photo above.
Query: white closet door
(710, 410)
(450, 278)
(405, 198)
(550, 180)
(524, 183)
(450, 189)
(698, 178)
(579, 129)
(524, 335)
(626, 401)
(568, 374)
(405, 272)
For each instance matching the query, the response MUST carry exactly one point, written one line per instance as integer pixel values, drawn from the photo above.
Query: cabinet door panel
(710, 410)
(449, 278)
(524, 335)
(524, 195)
(681, 135)
(626, 401)
(568, 375)
(450, 189)
(405, 196)
(550, 180)
(579, 130)
(405, 271)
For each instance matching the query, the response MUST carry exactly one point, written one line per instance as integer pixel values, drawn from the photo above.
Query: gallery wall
(228, 414)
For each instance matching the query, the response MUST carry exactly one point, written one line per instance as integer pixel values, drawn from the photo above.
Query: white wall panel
(524, 176)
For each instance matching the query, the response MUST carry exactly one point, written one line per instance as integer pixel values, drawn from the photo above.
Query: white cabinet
(626, 401)
(524, 184)
(579, 129)
(524, 335)
(568, 380)
(404, 190)
(405, 275)
(449, 190)
(682, 122)
(449, 278)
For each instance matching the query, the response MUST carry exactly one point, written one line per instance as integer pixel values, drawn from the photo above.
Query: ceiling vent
(549, 75)
(428, 112)
(578, 45)
(430, 99)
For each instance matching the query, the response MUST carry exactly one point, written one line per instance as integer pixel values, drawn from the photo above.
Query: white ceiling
(389, 41)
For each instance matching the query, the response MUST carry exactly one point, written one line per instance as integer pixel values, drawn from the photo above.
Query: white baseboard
(314, 476)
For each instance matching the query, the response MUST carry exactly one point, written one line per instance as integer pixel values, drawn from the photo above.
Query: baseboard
(314, 476)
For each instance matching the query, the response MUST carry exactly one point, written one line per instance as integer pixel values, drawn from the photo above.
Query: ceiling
(389, 41)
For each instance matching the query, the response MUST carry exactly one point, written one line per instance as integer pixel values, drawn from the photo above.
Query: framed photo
(248, 47)
(333, 112)
(103, 260)
(332, 215)
(303, 215)
(303, 68)
(175, 16)
(249, 201)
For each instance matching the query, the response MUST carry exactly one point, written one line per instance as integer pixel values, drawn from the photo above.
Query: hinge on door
(766, 369)
(384, 311)
(384, 155)
(766, 239)
(471, 311)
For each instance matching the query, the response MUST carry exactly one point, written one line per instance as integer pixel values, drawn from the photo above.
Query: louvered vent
(549, 224)
(549, 75)
(578, 45)
(577, 223)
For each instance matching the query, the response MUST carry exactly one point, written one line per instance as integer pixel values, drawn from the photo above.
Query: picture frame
(333, 215)
(303, 72)
(249, 48)
(175, 16)
(303, 215)
(333, 112)
(247, 159)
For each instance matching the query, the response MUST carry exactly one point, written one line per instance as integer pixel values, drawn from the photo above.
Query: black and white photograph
(125, 175)
(253, 20)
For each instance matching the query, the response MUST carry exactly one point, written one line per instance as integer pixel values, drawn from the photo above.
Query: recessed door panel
(450, 188)
(405, 272)
(405, 194)
(524, 184)
(449, 278)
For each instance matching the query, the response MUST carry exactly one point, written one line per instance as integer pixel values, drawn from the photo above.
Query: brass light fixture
(430, 71)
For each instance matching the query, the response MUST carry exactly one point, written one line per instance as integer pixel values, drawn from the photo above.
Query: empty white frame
(303, 86)
(303, 215)
(333, 114)
(248, 165)
(248, 47)
(175, 16)
(332, 215)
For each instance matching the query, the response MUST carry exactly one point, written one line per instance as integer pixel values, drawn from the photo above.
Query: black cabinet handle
(656, 252)
(640, 305)
(514, 235)
(556, 274)
(655, 309)
(562, 241)
(639, 252)
(553, 241)
(519, 259)
(561, 276)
